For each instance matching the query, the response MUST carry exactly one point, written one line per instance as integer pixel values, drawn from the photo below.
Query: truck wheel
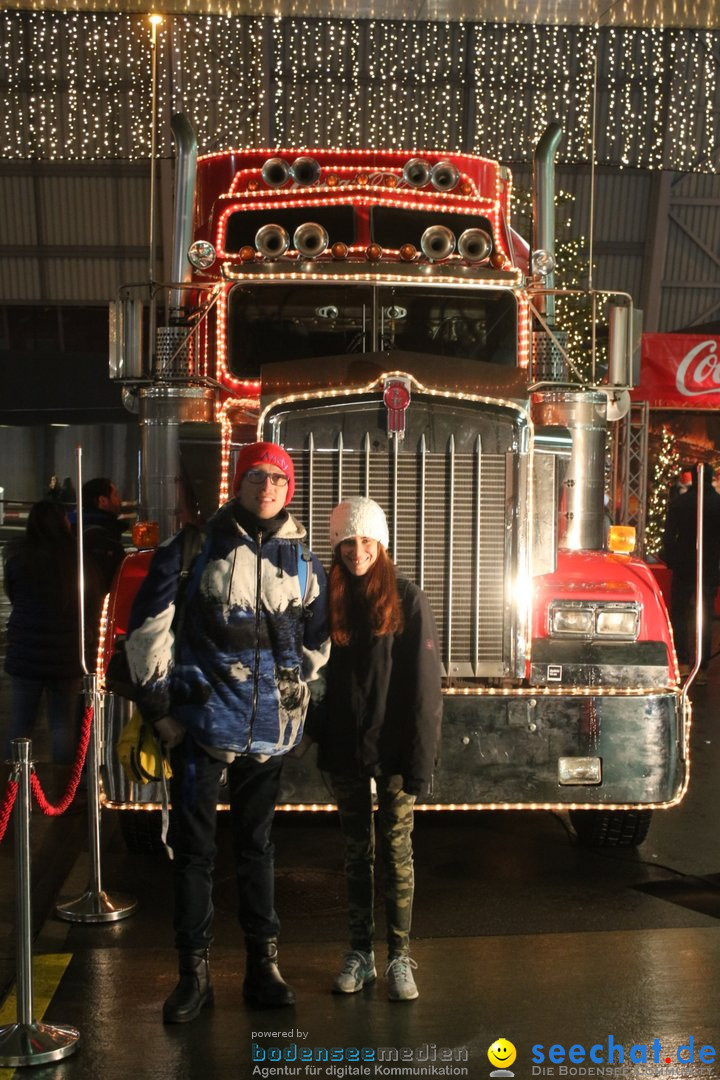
(141, 831)
(611, 828)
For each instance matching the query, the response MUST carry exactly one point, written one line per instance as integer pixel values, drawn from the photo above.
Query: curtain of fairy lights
(76, 85)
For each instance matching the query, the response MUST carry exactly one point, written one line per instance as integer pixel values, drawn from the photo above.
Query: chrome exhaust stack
(185, 166)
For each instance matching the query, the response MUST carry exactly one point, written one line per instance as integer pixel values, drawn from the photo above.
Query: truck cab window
(270, 323)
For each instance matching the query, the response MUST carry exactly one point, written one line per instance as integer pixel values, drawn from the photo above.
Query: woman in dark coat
(379, 720)
(42, 635)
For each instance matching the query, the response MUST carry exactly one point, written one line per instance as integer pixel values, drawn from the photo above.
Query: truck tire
(611, 828)
(141, 830)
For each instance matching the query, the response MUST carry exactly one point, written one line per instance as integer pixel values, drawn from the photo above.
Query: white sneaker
(401, 985)
(357, 971)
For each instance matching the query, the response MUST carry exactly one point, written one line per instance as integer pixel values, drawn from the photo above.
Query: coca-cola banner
(680, 371)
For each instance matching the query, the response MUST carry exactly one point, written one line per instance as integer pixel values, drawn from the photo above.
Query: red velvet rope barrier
(6, 808)
(45, 806)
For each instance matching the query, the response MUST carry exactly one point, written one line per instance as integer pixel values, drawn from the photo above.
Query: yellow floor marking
(47, 972)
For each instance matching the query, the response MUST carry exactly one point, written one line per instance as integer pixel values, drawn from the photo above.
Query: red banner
(680, 371)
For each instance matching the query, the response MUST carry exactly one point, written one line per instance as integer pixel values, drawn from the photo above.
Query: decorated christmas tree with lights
(664, 469)
(572, 314)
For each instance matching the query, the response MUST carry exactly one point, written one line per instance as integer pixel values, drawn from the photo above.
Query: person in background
(379, 720)
(231, 693)
(102, 527)
(43, 649)
(68, 495)
(681, 485)
(103, 552)
(679, 541)
(53, 489)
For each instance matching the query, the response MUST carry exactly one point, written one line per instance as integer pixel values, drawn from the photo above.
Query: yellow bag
(140, 752)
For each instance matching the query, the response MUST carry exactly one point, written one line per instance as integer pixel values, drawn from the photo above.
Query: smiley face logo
(502, 1053)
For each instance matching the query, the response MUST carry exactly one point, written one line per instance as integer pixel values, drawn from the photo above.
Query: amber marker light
(339, 250)
(373, 252)
(621, 539)
(252, 185)
(408, 252)
(498, 260)
(247, 253)
(362, 179)
(332, 180)
(146, 534)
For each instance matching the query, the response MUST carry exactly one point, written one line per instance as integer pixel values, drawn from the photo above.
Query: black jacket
(681, 532)
(43, 629)
(382, 707)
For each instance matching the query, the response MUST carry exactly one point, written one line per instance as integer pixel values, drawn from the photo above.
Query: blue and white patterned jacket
(238, 678)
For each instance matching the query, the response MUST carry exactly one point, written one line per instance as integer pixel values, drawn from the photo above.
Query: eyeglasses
(259, 477)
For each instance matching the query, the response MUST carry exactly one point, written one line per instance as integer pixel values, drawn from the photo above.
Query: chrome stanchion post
(94, 906)
(28, 1042)
(699, 570)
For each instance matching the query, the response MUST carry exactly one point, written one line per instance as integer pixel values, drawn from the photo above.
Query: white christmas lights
(76, 86)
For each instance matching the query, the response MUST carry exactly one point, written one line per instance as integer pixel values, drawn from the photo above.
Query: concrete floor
(519, 933)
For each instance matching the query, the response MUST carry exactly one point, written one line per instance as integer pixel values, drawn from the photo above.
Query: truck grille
(447, 515)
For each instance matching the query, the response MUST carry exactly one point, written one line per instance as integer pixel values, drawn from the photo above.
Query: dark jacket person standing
(103, 552)
(231, 693)
(380, 720)
(679, 543)
(43, 645)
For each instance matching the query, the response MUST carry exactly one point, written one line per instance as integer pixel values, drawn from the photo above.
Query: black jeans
(194, 793)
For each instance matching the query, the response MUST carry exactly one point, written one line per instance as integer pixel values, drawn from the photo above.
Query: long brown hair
(373, 598)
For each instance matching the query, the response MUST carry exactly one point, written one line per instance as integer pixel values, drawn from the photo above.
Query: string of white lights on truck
(474, 162)
(224, 418)
(291, 196)
(493, 213)
(249, 180)
(100, 660)
(524, 330)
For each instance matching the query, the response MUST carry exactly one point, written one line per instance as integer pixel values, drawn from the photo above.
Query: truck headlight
(571, 620)
(618, 622)
(594, 620)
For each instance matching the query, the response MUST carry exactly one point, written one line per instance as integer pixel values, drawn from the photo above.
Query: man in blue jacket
(230, 691)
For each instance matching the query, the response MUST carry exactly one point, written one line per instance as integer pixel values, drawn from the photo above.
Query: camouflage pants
(394, 827)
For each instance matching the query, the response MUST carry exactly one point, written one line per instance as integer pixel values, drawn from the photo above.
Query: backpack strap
(304, 557)
(194, 543)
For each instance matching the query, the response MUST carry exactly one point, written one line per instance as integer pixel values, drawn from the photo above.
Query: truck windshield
(288, 321)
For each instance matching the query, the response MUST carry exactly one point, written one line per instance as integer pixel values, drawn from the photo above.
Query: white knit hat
(358, 516)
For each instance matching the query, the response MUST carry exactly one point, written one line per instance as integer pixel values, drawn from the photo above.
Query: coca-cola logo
(699, 370)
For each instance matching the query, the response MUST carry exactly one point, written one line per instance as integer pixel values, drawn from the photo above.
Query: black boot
(193, 991)
(264, 985)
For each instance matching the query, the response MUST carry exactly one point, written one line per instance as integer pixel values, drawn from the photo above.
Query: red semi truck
(376, 313)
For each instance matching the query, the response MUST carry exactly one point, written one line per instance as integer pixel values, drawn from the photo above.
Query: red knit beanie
(264, 453)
